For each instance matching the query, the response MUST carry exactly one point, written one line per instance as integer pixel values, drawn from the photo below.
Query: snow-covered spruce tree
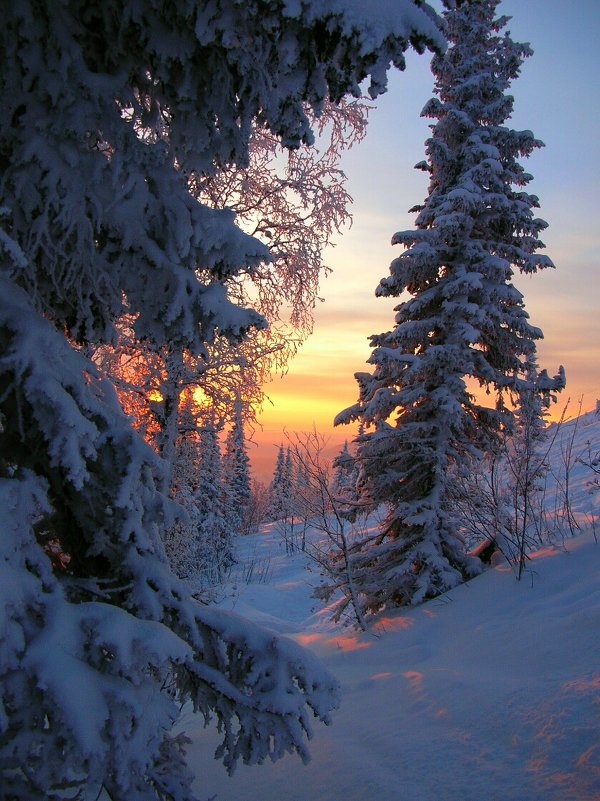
(464, 319)
(236, 472)
(181, 538)
(106, 109)
(280, 509)
(278, 489)
(289, 501)
(215, 534)
(199, 545)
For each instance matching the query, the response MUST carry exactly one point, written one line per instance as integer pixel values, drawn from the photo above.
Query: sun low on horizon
(557, 98)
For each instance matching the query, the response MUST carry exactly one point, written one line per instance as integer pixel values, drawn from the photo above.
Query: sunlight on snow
(398, 623)
(414, 678)
(344, 642)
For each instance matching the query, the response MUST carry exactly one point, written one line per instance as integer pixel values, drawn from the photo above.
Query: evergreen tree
(464, 318)
(215, 534)
(289, 483)
(181, 539)
(107, 109)
(277, 508)
(525, 459)
(536, 394)
(236, 474)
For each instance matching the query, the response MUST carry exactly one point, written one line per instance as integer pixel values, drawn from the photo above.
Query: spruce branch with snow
(464, 320)
(106, 109)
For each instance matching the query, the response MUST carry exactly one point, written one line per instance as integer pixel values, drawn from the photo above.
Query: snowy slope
(489, 693)
(573, 442)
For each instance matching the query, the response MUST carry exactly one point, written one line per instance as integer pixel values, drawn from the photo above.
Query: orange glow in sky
(564, 303)
(200, 397)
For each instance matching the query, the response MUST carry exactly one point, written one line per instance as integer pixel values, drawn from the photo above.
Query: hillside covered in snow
(491, 691)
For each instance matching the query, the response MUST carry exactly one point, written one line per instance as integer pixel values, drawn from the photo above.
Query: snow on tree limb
(114, 623)
(105, 182)
(107, 109)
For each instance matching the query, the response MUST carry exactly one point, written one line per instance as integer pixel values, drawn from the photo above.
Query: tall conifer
(236, 474)
(277, 502)
(464, 323)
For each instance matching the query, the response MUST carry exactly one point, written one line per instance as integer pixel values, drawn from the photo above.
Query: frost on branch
(295, 201)
(100, 195)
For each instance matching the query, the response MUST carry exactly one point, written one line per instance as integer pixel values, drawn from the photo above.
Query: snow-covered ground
(488, 693)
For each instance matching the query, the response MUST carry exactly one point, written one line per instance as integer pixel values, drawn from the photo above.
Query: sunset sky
(557, 97)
